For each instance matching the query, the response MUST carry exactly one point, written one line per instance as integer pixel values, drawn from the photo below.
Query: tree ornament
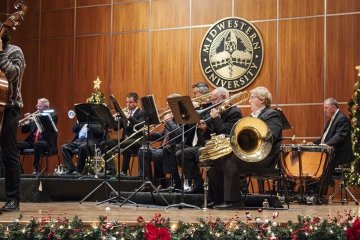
(354, 122)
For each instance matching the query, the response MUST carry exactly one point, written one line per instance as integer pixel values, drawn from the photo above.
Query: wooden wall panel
(130, 65)
(267, 76)
(56, 4)
(300, 8)
(91, 2)
(93, 20)
(256, 9)
(56, 77)
(57, 23)
(87, 69)
(204, 12)
(341, 6)
(132, 16)
(342, 32)
(301, 70)
(196, 75)
(169, 71)
(170, 13)
(307, 121)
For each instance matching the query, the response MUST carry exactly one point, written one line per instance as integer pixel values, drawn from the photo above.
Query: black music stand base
(344, 191)
(153, 190)
(95, 189)
(181, 205)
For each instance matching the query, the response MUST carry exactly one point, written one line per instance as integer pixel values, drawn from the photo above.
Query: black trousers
(68, 153)
(40, 147)
(10, 154)
(191, 164)
(133, 150)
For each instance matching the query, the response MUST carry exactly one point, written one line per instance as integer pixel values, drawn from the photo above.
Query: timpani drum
(305, 161)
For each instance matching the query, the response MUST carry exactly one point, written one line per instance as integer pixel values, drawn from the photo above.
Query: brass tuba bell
(251, 139)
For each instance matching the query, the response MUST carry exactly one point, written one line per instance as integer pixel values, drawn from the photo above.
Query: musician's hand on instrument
(214, 113)
(168, 117)
(26, 115)
(127, 115)
(196, 104)
(324, 144)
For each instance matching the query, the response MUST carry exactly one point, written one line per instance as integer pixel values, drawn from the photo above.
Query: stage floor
(89, 212)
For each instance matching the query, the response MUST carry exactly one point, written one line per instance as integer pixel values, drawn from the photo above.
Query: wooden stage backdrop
(152, 47)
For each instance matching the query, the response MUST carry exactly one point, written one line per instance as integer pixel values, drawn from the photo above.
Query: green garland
(339, 227)
(353, 177)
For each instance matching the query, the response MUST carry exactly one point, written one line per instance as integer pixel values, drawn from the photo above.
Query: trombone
(222, 106)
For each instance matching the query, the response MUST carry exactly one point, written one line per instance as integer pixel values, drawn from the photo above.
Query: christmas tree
(97, 96)
(354, 114)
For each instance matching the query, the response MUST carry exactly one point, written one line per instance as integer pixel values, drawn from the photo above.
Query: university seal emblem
(231, 54)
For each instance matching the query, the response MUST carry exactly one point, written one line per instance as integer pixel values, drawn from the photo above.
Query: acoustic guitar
(11, 23)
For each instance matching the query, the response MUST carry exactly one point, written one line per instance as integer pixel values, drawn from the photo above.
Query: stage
(89, 212)
(59, 196)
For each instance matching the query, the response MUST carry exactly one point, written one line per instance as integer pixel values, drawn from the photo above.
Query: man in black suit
(228, 191)
(164, 156)
(217, 122)
(134, 116)
(86, 136)
(337, 134)
(41, 142)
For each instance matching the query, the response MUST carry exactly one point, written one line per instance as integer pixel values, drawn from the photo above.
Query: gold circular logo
(231, 54)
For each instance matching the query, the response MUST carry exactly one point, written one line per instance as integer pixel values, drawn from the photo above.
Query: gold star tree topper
(358, 68)
(97, 83)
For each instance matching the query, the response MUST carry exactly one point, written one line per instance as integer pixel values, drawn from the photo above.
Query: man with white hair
(337, 134)
(228, 191)
(41, 142)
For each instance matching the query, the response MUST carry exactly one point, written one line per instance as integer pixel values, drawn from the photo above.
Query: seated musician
(194, 139)
(41, 142)
(337, 134)
(86, 136)
(216, 122)
(134, 116)
(164, 156)
(224, 180)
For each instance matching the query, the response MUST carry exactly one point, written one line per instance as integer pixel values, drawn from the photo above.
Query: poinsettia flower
(353, 232)
(154, 233)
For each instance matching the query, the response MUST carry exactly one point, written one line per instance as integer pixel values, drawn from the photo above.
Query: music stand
(117, 107)
(184, 112)
(120, 115)
(151, 118)
(46, 126)
(101, 113)
(285, 123)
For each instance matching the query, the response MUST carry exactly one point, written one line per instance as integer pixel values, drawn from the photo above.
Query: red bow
(154, 233)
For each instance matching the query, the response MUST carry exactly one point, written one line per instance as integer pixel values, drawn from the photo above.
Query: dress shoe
(122, 173)
(36, 171)
(195, 189)
(229, 206)
(11, 206)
